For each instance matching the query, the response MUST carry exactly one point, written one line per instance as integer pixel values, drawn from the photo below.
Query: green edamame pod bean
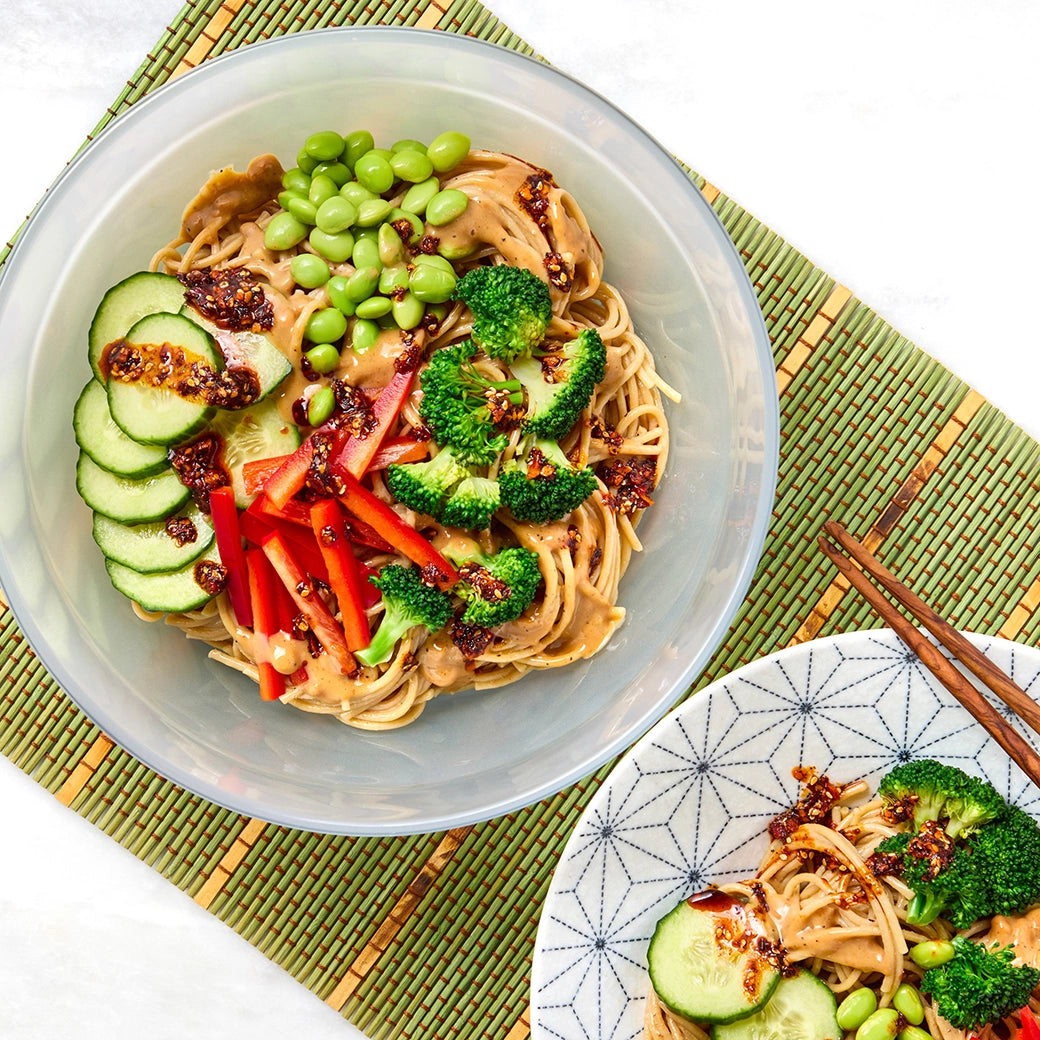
(322, 188)
(386, 321)
(335, 214)
(447, 150)
(356, 193)
(431, 284)
(407, 143)
(435, 260)
(355, 144)
(374, 307)
(372, 212)
(932, 953)
(325, 144)
(907, 1001)
(323, 358)
(407, 311)
(309, 270)
(411, 166)
(336, 287)
(285, 197)
(362, 284)
(366, 253)
(320, 406)
(335, 248)
(325, 325)
(284, 231)
(913, 1033)
(302, 209)
(337, 172)
(391, 248)
(417, 197)
(856, 1008)
(296, 180)
(881, 1025)
(373, 171)
(445, 206)
(393, 279)
(364, 335)
(306, 162)
(456, 250)
(399, 217)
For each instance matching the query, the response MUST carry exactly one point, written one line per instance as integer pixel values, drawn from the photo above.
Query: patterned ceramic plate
(688, 804)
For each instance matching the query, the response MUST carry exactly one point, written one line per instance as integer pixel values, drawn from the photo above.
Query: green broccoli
(978, 985)
(560, 383)
(464, 409)
(541, 485)
(1006, 853)
(426, 486)
(472, 504)
(407, 602)
(511, 308)
(497, 588)
(928, 790)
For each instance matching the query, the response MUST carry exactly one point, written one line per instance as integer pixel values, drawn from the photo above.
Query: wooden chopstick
(1002, 685)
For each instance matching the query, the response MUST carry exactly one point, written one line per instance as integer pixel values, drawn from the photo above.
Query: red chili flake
(182, 530)
(573, 538)
(818, 796)
(230, 297)
(539, 466)
(603, 431)
(320, 479)
(429, 244)
(210, 576)
(329, 536)
(533, 197)
(629, 482)
(594, 557)
(433, 576)
(411, 357)
(560, 275)
(353, 410)
(422, 433)
(471, 640)
(505, 413)
(489, 588)
(551, 363)
(199, 464)
(883, 864)
(934, 846)
(405, 230)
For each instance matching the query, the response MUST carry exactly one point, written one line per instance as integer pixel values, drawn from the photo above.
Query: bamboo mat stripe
(431, 936)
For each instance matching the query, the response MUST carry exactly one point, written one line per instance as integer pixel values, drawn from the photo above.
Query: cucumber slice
(257, 432)
(129, 501)
(155, 414)
(801, 1008)
(705, 963)
(169, 592)
(99, 436)
(149, 548)
(255, 350)
(126, 303)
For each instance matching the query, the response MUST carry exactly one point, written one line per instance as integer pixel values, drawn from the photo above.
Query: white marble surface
(892, 143)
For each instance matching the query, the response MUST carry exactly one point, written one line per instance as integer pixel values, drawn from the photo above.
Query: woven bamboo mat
(431, 936)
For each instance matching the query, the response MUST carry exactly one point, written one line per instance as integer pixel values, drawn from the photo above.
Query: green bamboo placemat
(431, 936)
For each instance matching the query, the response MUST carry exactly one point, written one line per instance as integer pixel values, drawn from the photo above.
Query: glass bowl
(470, 756)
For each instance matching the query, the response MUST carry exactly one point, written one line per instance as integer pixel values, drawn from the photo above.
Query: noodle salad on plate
(374, 427)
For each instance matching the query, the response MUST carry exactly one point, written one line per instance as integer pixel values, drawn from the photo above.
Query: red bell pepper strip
(224, 515)
(361, 503)
(308, 602)
(256, 471)
(344, 575)
(286, 617)
(265, 612)
(290, 476)
(1030, 1029)
(370, 595)
(257, 526)
(358, 453)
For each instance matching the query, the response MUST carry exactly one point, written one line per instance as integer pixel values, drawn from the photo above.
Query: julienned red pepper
(308, 602)
(224, 515)
(266, 623)
(344, 575)
(402, 536)
(1030, 1029)
(291, 475)
(358, 453)
(256, 526)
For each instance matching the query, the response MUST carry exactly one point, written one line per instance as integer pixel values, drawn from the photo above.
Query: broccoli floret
(497, 588)
(1006, 854)
(407, 603)
(978, 985)
(541, 485)
(472, 504)
(560, 383)
(464, 409)
(426, 486)
(511, 308)
(928, 790)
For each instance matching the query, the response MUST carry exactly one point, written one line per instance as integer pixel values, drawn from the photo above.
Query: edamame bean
(361, 284)
(431, 284)
(418, 228)
(391, 248)
(932, 953)
(309, 270)
(306, 162)
(856, 1008)
(393, 279)
(325, 144)
(325, 325)
(411, 166)
(335, 214)
(285, 197)
(335, 248)
(407, 143)
(456, 250)
(364, 336)
(302, 209)
(355, 144)
(320, 406)
(386, 321)
(881, 1025)
(366, 253)
(336, 288)
(337, 172)
(284, 231)
(435, 260)
(356, 193)
(407, 311)
(447, 150)
(323, 358)
(322, 188)
(296, 180)
(417, 197)
(907, 1001)
(372, 212)
(374, 307)
(445, 206)
(373, 171)
(913, 1033)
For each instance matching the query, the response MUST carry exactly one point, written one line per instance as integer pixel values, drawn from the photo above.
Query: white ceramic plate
(688, 805)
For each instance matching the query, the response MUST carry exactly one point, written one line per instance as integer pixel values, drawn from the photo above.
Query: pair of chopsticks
(859, 566)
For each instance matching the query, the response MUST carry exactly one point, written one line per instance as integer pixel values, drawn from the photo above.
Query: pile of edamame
(336, 199)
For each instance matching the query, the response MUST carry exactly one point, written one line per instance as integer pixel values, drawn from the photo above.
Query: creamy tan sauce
(229, 193)
(1022, 932)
